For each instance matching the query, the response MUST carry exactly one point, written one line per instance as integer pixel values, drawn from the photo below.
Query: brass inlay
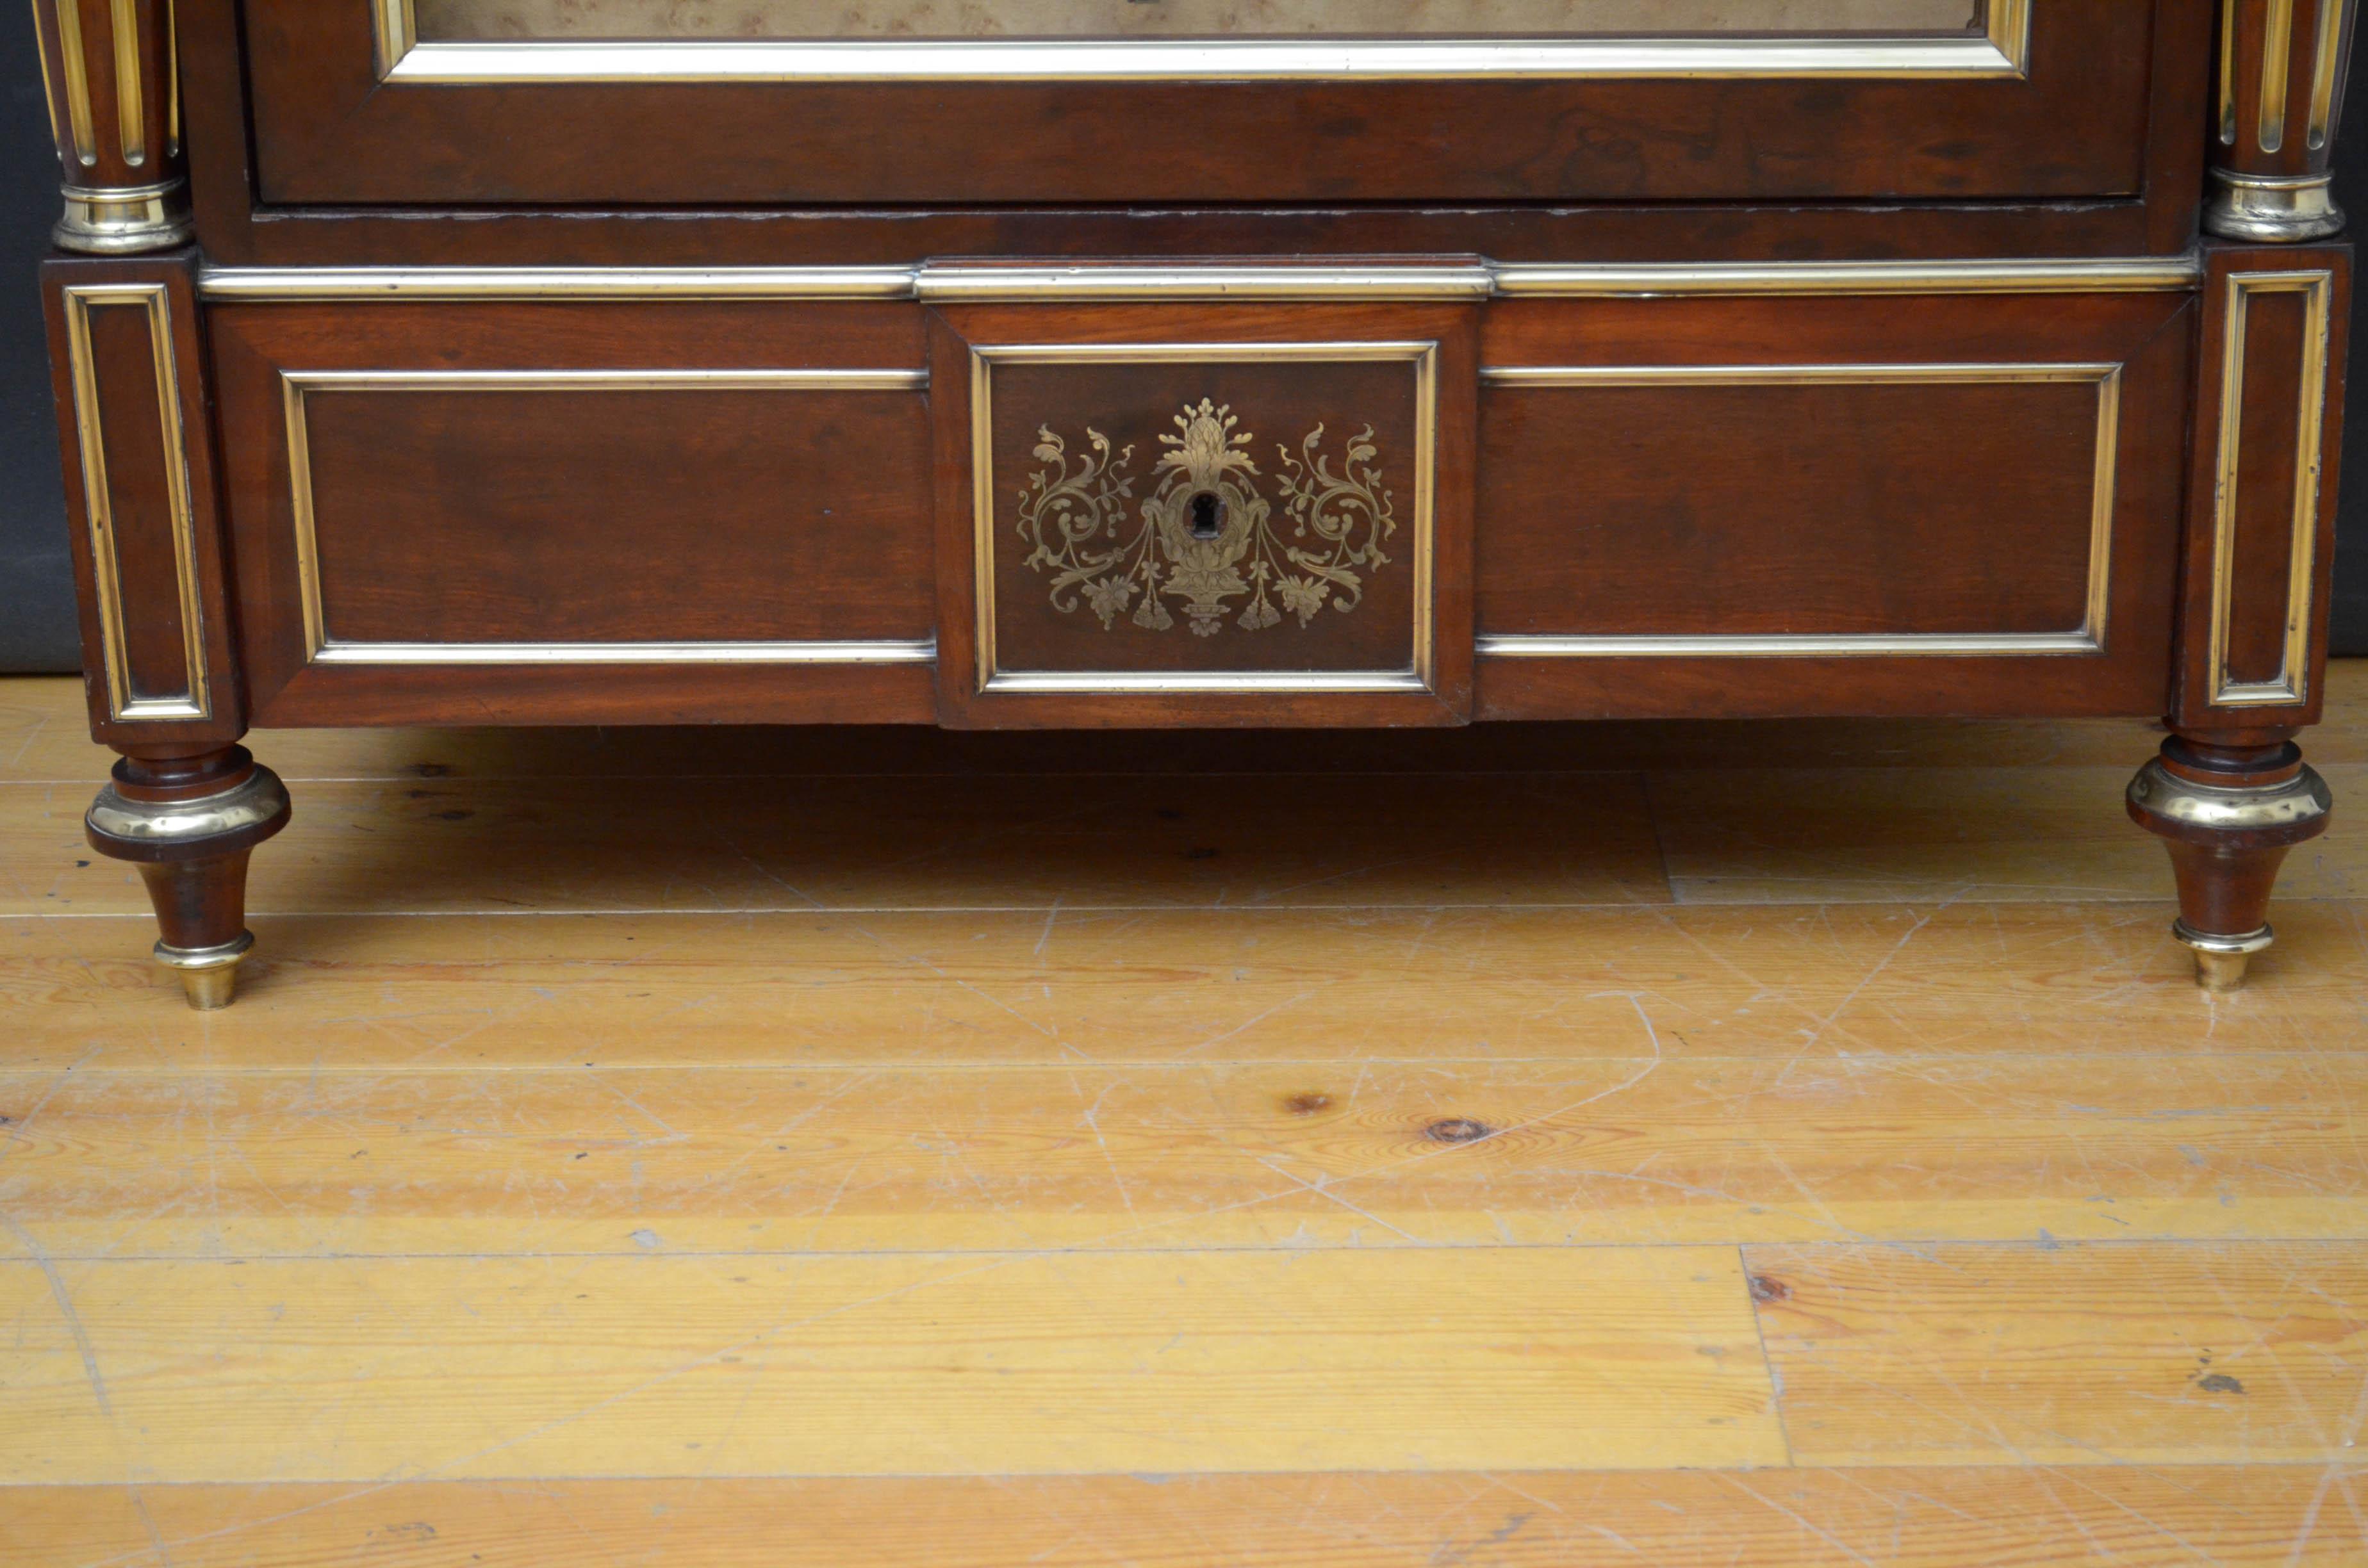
(1206, 535)
(2089, 638)
(98, 510)
(2326, 66)
(2003, 49)
(1282, 281)
(1550, 279)
(130, 112)
(322, 648)
(1287, 280)
(2291, 683)
(73, 70)
(2277, 65)
(334, 283)
(172, 79)
(1350, 502)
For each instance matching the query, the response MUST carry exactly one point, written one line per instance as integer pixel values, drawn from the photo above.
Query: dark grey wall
(36, 620)
(2351, 519)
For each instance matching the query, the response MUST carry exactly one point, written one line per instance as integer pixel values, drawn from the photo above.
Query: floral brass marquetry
(1206, 538)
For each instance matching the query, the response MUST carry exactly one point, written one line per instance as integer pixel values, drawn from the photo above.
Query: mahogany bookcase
(1084, 364)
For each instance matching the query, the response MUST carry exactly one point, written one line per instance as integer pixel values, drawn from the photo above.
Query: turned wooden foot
(190, 824)
(2229, 814)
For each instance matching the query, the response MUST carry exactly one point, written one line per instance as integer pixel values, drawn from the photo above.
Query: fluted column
(115, 107)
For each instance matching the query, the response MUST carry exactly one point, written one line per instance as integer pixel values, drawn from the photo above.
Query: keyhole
(1208, 516)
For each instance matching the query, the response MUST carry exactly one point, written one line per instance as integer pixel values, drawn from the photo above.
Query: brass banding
(947, 282)
(2292, 804)
(2001, 50)
(256, 801)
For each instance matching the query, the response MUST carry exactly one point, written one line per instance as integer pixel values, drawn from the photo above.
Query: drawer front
(1801, 505)
(1178, 514)
(671, 505)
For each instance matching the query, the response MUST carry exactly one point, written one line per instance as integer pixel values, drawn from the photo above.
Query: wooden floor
(1674, 1147)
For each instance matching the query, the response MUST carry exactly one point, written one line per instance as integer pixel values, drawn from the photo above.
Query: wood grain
(1321, 1232)
(2068, 1355)
(914, 1364)
(845, 842)
(1809, 834)
(1049, 988)
(1616, 1148)
(2230, 1517)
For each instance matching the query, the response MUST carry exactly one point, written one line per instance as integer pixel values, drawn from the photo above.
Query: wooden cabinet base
(1296, 382)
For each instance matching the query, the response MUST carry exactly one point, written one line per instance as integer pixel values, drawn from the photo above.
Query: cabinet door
(1082, 103)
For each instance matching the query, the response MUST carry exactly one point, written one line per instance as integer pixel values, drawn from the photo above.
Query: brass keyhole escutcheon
(1208, 512)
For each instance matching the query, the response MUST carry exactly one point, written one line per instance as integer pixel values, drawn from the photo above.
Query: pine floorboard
(1534, 1146)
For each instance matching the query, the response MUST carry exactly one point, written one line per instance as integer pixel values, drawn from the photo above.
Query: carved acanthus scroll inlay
(1206, 540)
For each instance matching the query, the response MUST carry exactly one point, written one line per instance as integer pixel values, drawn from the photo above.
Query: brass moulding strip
(2088, 638)
(2291, 683)
(322, 648)
(951, 281)
(2001, 50)
(365, 283)
(936, 284)
(2112, 274)
(1418, 676)
(90, 436)
(831, 651)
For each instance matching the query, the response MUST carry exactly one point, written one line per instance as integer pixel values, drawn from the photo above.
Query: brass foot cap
(208, 975)
(2221, 961)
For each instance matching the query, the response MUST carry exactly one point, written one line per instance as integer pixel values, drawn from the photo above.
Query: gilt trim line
(2001, 51)
(948, 281)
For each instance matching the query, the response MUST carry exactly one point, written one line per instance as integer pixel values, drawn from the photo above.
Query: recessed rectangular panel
(138, 501)
(527, 512)
(1803, 509)
(2267, 490)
